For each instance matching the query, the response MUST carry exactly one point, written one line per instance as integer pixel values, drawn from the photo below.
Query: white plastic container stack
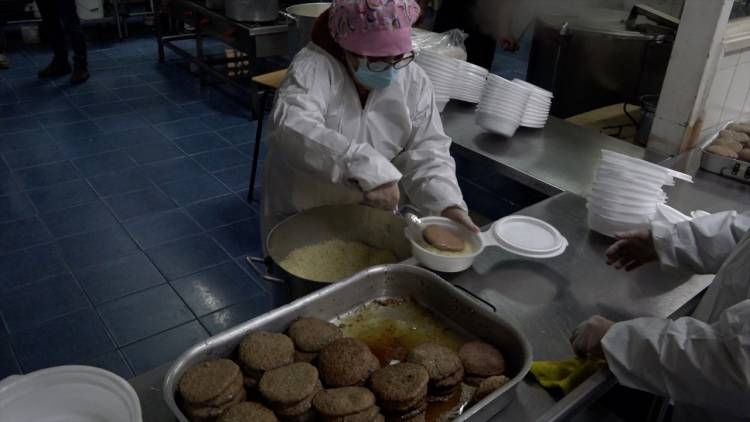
(442, 72)
(502, 106)
(538, 107)
(626, 193)
(470, 82)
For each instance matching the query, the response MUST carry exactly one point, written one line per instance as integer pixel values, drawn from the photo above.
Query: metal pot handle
(288, 16)
(251, 260)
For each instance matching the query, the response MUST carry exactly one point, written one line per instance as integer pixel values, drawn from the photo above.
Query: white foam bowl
(68, 393)
(497, 124)
(608, 227)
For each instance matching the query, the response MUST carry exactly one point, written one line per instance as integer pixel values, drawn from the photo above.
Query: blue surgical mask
(374, 80)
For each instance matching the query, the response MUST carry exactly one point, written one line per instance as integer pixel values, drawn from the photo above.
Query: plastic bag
(450, 43)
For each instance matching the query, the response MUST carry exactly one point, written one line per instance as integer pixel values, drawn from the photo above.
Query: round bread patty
(488, 386)
(248, 411)
(399, 383)
(368, 415)
(199, 412)
(439, 361)
(205, 381)
(346, 362)
(261, 351)
(304, 356)
(451, 380)
(303, 406)
(289, 384)
(343, 401)
(310, 335)
(473, 380)
(235, 388)
(481, 359)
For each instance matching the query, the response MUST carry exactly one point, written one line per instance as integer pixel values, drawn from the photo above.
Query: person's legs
(53, 29)
(4, 62)
(72, 26)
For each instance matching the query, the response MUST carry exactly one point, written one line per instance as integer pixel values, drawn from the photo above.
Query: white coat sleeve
(429, 171)
(687, 360)
(701, 245)
(304, 141)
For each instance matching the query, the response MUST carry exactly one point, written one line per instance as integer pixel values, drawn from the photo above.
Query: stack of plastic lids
(626, 193)
(537, 109)
(502, 106)
(442, 72)
(470, 82)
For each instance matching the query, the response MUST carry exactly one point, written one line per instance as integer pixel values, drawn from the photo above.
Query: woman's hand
(461, 217)
(632, 249)
(587, 337)
(385, 197)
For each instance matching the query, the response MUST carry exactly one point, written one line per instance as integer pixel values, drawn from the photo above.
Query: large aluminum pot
(377, 228)
(252, 10)
(303, 18)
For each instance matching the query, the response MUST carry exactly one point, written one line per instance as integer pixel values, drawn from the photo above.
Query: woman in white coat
(701, 363)
(355, 121)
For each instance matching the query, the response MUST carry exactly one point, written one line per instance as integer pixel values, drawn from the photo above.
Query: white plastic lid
(529, 237)
(68, 393)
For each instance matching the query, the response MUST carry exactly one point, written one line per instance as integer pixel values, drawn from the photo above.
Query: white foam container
(524, 236)
(497, 124)
(68, 393)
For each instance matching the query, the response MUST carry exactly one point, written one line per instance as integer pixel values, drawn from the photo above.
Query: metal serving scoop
(440, 237)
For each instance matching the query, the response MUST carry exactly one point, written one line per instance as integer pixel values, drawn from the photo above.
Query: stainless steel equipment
(304, 17)
(252, 10)
(377, 228)
(392, 281)
(724, 166)
(594, 59)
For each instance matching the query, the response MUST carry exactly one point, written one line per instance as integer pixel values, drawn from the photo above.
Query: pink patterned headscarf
(374, 28)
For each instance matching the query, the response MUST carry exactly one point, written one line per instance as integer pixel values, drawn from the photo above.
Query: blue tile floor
(123, 219)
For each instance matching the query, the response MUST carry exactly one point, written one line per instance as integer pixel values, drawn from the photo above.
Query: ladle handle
(251, 260)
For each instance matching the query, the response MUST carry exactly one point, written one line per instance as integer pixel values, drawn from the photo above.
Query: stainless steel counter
(547, 299)
(559, 158)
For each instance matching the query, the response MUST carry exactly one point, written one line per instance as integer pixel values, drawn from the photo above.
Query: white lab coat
(701, 363)
(325, 149)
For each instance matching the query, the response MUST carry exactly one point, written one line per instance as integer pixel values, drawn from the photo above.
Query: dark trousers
(59, 17)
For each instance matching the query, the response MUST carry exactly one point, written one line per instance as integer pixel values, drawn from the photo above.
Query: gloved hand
(461, 217)
(384, 197)
(587, 337)
(632, 249)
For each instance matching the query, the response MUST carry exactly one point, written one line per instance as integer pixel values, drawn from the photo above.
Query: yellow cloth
(565, 374)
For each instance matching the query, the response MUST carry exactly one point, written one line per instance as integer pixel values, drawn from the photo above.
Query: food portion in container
(390, 360)
(732, 142)
(443, 239)
(334, 260)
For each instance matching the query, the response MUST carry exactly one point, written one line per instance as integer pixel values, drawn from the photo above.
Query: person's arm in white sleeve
(687, 360)
(429, 171)
(701, 245)
(308, 145)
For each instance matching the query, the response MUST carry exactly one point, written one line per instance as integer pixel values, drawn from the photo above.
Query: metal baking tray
(724, 166)
(425, 288)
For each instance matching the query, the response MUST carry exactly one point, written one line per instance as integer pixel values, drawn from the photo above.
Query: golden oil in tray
(392, 327)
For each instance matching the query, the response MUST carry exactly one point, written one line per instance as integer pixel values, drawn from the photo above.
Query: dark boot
(56, 68)
(80, 74)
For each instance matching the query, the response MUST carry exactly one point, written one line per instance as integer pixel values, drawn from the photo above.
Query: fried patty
(262, 351)
(481, 359)
(248, 412)
(489, 386)
(439, 361)
(400, 383)
(207, 380)
(310, 335)
(289, 384)
(343, 401)
(346, 362)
